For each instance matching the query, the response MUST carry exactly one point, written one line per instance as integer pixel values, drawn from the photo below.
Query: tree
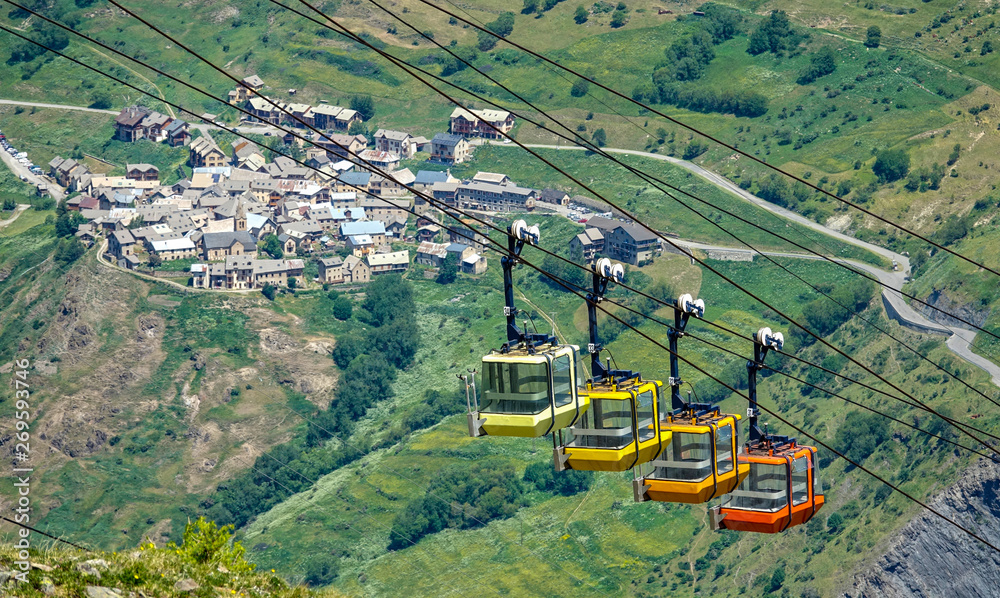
(955, 152)
(342, 307)
(619, 18)
(821, 63)
(862, 433)
(777, 579)
(292, 282)
(530, 6)
(580, 88)
(834, 523)
(389, 297)
(272, 247)
(69, 251)
(874, 37)
(485, 42)
(364, 105)
(449, 269)
(101, 100)
(155, 260)
(600, 138)
(269, 291)
(581, 15)
(503, 25)
(348, 347)
(891, 165)
(357, 128)
(9, 204)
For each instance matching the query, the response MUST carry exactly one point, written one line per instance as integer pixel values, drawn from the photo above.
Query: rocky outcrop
(943, 302)
(931, 558)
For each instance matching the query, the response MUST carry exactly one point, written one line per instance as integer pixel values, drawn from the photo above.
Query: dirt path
(159, 92)
(17, 212)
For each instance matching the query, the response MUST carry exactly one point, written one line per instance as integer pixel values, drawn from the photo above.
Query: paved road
(959, 340)
(20, 170)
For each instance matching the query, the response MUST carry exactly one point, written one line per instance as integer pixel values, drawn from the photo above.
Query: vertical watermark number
(22, 465)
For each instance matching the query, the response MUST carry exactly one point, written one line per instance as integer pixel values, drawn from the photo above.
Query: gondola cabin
(530, 393)
(781, 490)
(620, 429)
(699, 463)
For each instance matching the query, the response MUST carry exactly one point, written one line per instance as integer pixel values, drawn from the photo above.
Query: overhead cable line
(648, 178)
(389, 176)
(46, 534)
(780, 418)
(859, 466)
(184, 110)
(560, 257)
(716, 140)
(636, 220)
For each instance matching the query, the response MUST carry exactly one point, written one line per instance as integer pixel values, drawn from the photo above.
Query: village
(243, 222)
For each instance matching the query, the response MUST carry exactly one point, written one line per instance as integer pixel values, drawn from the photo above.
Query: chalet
(253, 83)
(385, 161)
(353, 181)
(218, 246)
(466, 234)
(63, 170)
(395, 142)
(154, 126)
(360, 245)
(477, 123)
(588, 243)
(298, 115)
(626, 241)
(174, 249)
(428, 233)
(128, 123)
(244, 151)
(178, 133)
(142, 172)
(444, 192)
(388, 263)
(494, 178)
(264, 110)
(343, 146)
(494, 197)
(356, 270)
(384, 209)
(331, 270)
(203, 152)
(554, 196)
(450, 149)
(473, 263)
(121, 243)
(431, 254)
(395, 226)
(373, 228)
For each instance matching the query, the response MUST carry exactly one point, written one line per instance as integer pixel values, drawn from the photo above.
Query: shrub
(580, 88)
(581, 15)
(342, 307)
(269, 291)
(891, 165)
(322, 570)
(364, 105)
(207, 544)
(873, 37)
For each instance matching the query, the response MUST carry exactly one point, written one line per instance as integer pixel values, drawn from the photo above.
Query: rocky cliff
(931, 558)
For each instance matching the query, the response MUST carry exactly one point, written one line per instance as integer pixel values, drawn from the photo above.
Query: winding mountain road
(960, 340)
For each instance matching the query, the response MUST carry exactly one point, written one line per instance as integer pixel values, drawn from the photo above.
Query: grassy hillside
(600, 537)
